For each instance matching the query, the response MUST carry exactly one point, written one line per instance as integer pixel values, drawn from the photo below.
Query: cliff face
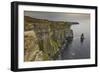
(43, 38)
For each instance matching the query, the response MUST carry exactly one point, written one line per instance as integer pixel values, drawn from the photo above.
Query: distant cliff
(43, 38)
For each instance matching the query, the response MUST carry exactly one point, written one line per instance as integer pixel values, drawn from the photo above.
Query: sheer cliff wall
(43, 38)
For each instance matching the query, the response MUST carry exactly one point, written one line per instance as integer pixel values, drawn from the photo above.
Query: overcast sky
(57, 16)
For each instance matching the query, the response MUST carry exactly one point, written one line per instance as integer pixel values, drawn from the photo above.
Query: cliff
(43, 38)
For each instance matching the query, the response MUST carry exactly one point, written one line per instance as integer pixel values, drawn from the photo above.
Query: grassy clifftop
(31, 23)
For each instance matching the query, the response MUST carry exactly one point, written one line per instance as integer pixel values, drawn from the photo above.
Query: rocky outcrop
(43, 38)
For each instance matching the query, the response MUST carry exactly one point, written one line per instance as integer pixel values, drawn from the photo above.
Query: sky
(56, 16)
